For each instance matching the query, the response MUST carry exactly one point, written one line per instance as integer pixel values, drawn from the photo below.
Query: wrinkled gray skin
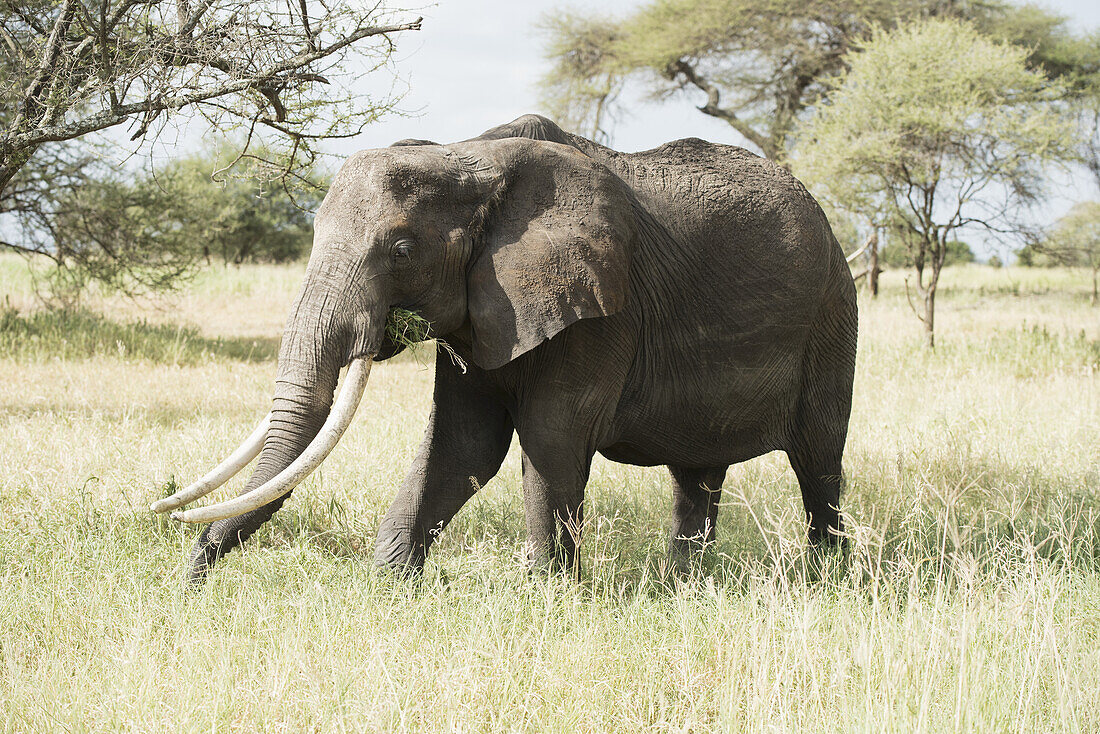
(686, 306)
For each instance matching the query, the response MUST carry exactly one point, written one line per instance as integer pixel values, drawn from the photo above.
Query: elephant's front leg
(554, 477)
(467, 439)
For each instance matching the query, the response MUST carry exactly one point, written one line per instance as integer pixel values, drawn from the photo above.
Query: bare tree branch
(75, 67)
(102, 69)
(714, 108)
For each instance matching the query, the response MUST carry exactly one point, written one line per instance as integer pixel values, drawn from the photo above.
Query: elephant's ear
(555, 248)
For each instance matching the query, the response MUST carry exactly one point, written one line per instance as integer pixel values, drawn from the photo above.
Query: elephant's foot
(690, 557)
(398, 552)
(547, 559)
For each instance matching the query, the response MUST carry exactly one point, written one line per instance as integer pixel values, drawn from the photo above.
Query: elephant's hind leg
(821, 481)
(695, 496)
(464, 445)
(820, 427)
(817, 446)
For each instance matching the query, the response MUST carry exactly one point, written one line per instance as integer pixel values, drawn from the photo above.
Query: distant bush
(149, 231)
(1074, 241)
(239, 218)
(898, 255)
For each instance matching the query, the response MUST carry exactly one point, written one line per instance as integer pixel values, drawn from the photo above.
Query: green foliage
(958, 253)
(932, 103)
(760, 62)
(1049, 41)
(1029, 257)
(121, 233)
(758, 65)
(899, 255)
(583, 78)
(1074, 241)
(407, 328)
(150, 231)
(242, 216)
(934, 128)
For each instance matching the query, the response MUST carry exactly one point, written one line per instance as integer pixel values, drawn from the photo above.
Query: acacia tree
(757, 65)
(281, 71)
(1075, 241)
(935, 128)
(1088, 115)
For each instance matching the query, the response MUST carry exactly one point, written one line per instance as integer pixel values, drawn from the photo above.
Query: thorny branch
(100, 64)
(681, 68)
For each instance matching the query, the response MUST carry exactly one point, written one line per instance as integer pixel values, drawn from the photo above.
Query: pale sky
(476, 64)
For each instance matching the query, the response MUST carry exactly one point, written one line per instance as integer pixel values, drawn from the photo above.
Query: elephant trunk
(300, 467)
(303, 425)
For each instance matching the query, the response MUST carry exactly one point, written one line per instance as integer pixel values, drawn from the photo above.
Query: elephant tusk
(326, 439)
(220, 474)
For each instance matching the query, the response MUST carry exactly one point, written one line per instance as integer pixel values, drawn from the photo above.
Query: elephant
(686, 306)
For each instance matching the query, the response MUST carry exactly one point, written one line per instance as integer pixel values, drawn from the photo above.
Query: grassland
(970, 600)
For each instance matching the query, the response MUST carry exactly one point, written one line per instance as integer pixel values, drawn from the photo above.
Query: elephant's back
(725, 196)
(715, 201)
(738, 226)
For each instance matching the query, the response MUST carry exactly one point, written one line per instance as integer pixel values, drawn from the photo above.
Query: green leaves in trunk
(407, 328)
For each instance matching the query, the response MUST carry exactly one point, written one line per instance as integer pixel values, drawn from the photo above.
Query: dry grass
(970, 600)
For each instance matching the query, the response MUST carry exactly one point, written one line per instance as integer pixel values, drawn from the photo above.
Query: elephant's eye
(402, 250)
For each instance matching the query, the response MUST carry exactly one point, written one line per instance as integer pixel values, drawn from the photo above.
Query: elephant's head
(505, 242)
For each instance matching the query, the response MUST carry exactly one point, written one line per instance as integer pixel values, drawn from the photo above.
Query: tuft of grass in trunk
(410, 329)
(407, 328)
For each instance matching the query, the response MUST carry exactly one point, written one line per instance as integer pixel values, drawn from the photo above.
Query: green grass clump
(407, 328)
(410, 329)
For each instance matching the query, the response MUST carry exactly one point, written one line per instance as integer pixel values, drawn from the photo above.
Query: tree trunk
(1095, 298)
(874, 270)
(930, 316)
(938, 250)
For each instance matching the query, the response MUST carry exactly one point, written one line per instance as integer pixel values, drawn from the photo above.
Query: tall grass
(969, 600)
